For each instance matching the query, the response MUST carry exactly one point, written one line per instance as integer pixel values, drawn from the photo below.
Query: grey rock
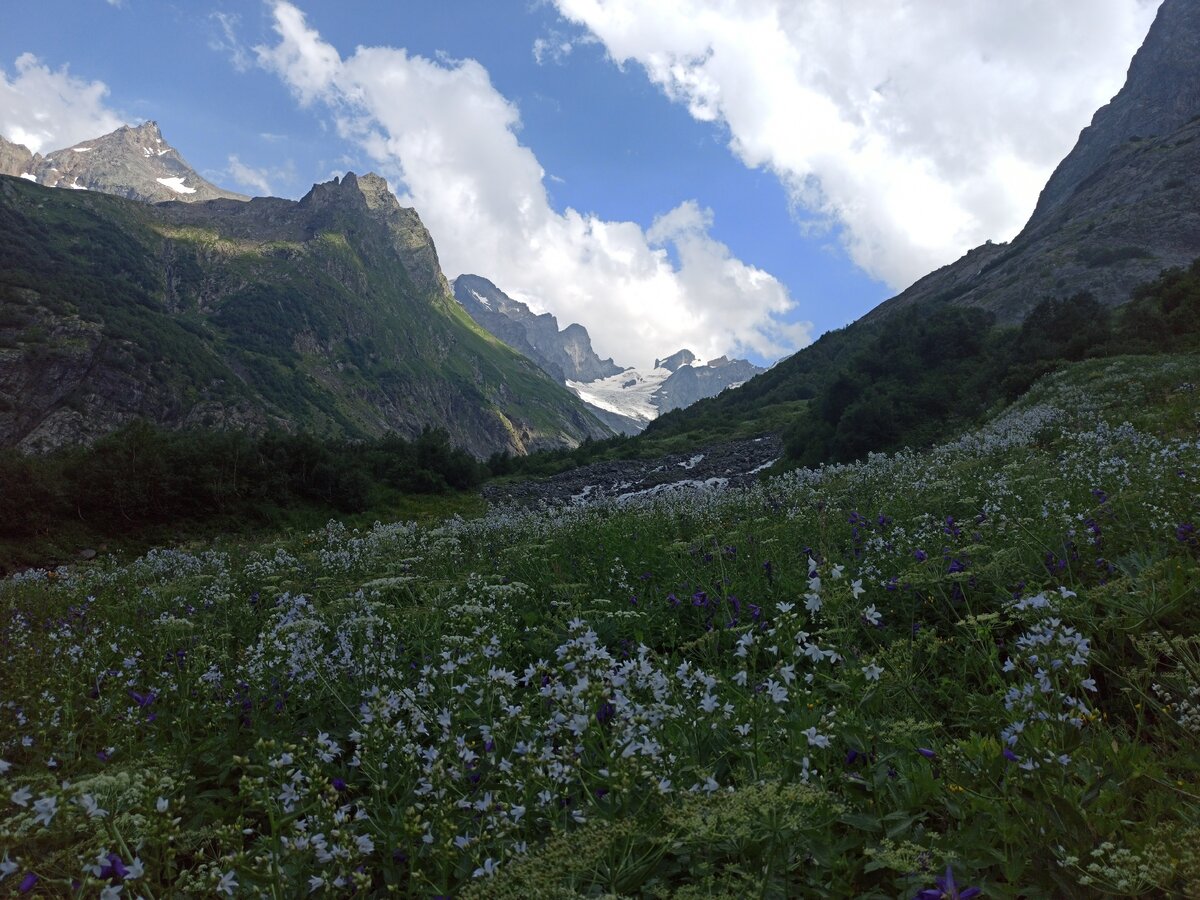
(566, 355)
(15, 159)
(688, 384)
(675, 360)
(731, 464)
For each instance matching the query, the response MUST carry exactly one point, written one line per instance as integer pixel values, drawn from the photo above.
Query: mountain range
(623, 397)
(329, 315)
(147, 291)
(186, 248)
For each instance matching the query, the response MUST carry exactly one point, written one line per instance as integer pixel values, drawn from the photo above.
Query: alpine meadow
(324, 574)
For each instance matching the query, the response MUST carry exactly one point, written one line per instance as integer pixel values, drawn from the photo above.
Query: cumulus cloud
(922, 128)
(439, 129)
(47, 110)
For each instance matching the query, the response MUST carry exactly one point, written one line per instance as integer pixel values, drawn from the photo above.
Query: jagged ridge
(328, 314)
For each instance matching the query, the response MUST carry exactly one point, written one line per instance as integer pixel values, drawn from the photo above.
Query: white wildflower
(46, 808)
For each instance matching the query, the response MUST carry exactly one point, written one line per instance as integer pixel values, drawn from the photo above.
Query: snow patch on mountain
(176, 184)
(629, 393)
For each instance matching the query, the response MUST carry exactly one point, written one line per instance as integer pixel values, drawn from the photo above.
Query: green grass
(806, 688)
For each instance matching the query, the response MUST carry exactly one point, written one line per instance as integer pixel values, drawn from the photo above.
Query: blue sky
(734, 176)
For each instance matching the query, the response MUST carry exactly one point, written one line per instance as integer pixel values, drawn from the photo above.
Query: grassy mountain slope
(328, 315)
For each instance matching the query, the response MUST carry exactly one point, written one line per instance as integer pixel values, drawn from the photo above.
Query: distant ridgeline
(623, 397)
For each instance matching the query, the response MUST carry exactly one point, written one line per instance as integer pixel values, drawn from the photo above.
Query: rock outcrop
(15, 159)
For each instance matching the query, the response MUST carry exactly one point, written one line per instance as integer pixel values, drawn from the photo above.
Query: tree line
(143, 475)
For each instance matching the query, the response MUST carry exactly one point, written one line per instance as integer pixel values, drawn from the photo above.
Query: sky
(732, 176)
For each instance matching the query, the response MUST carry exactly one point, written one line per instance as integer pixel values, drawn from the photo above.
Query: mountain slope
(329, 314)
(1123, 206)
(1160, 96)
(567, 355)
(132, 162)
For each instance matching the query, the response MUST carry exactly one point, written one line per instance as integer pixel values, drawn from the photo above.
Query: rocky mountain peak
(1160, 96)
(133, 162)
(374, 189)
(1120, 208)
(369, 195)
(676, 360)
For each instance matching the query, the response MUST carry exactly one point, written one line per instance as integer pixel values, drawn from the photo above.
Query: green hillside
(929, 370)
(977, 662)
(302, 315)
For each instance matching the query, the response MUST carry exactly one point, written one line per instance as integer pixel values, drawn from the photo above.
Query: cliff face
(1161, 95)
(15, 159)
(329, 314)
(1122, 206)
(566, 355)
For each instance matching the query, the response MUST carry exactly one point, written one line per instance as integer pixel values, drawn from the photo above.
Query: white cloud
(555, 47)
(48, 110)
(442, 130)
(922, 127)
(228, 42)
(248, 177)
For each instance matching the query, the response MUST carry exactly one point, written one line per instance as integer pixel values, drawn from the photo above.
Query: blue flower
(947, 889)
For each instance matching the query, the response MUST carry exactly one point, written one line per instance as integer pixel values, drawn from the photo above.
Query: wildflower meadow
(967, 671)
